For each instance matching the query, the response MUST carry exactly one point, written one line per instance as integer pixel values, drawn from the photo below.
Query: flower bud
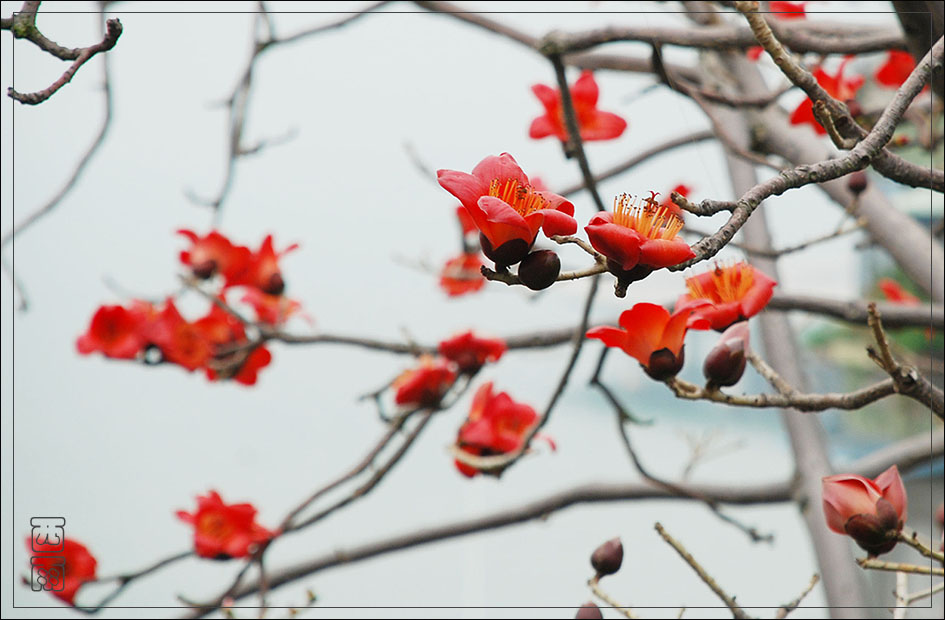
(509, 253)
(607, 558)
(871, 512)
(856, 182)
(663, 364)
(589, 611)
(275, 285)
(725, 363)
(539, 270)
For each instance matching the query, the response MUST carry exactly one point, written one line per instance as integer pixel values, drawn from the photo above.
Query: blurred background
(116, 448)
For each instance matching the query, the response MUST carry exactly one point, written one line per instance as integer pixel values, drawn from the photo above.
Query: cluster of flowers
(216, 342)
(496, 424)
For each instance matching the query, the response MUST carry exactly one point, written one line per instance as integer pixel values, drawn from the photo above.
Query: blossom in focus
(593, 124)
(461, 274)
(470, 353)
(424, 385)
(896, 69)
(652, 336)
(837, 86)
(872, 512)
(271, 309)
(734, 292)
(496, 425)
(638, 237)
(78, 567)
(506, 208)
(465, 220)
(214, 253)
(116, 331)
(224, 531)
(264, 270)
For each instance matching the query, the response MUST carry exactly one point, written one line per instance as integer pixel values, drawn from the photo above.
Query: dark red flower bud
(275, 285)
(856, 182)
(589, 611)
(204, 269)
(607, 558)
(875, 533)
(626, 277)
(508, 253)
(725, 363)
(663, 364)
(539, 270)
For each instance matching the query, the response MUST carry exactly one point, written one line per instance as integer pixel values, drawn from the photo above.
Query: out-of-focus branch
(894, 315)
(125, 579)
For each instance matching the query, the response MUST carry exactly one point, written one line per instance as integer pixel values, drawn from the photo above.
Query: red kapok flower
(593, 123)
(242, 370)
(470, 353)
(461, 274)
(214, 253)
(224, 531)
(838, 86)
(496, 425)
(115, 331)
(896, 69)
(895, 293)
(70, 568)
(639, 235)
(424, 385)
(465, 220)
(652, 336)
(181, 342)
(264, 271)
(507, 210)
(871, 512)
(271, 309)
(734, 292)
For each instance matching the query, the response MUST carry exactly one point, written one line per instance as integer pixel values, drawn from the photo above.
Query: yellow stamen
(727, 283)
(646, 217)
(521, 197)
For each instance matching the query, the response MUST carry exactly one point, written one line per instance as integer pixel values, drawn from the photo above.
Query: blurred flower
(895, 293)
(837, 86)
(471, 353)
(593, 123)
(214, 253)
(652, 336)
(79, 567)
(871, 512)
(639, 235)
(180, 341)
(734, 292)
(219, 327)
(264, 271)
(424, 385)
(115, 331)
(496, 425)
(725, 363)
(461, 275)
(271, 309)
(896, 69)
(507, 210)
(243, 370)
(224, 531)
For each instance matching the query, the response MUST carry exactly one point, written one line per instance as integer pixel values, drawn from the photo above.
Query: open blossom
(638, 237)
(872, 512)
(837, 86)
(79, 567)
(224, 531)
(264, 271)
(181, 342)
(734, 293)
(896, 69)
(214, 253)
(424, 385)
(116, 331)
(461, 274)
(271, 309)
(496, 425)
(470, 353)
(652, 336)
(594, 124)
(506, 208)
